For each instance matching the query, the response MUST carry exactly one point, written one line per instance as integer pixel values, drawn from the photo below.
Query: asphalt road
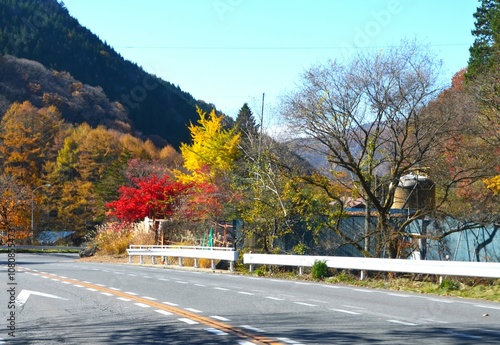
(60, 300)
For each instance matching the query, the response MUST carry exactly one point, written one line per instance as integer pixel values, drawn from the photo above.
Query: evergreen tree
(245, 122)
(487, 30)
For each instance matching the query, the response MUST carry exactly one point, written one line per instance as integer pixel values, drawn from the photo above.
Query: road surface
(60, 300)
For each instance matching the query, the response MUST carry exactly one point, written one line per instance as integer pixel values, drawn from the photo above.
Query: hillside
(29, 80)
(43, 31)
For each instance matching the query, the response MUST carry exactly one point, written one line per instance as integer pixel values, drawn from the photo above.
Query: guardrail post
(301, 270)
(130, 259)
(195, 262)
(231, 266)
(141, 259)
(180, 262)
(212, 264)
(251, 268)
(153, 260)
(363, 274)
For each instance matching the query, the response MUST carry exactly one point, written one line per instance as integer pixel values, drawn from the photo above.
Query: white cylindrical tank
(415, 191)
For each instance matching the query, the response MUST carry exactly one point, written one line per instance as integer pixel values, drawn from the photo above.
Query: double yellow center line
(256, 339)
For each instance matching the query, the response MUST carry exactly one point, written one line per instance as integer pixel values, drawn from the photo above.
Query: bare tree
(367, 115)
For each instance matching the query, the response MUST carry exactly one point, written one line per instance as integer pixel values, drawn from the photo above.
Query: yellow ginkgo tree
(493, 184)
(212, 152)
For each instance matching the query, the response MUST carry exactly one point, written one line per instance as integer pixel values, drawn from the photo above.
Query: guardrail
(442, 268)
(193, 252)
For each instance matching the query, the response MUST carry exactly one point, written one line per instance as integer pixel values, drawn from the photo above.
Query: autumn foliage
(151, 197)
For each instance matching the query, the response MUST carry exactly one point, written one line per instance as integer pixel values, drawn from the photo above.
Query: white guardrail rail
(211, 253)
(442, 268)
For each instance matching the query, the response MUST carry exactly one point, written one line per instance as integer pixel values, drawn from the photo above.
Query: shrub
(319, 269)
(449, 285)
(114, 238)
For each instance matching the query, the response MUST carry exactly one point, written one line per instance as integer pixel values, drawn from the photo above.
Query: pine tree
(487, 31)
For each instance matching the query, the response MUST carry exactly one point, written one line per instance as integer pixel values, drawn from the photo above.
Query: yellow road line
(259, 340)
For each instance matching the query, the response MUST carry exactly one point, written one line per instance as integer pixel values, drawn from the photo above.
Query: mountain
(27, 80)
(44, 31)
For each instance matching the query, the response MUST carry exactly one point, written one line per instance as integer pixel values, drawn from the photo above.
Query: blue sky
(228, 52)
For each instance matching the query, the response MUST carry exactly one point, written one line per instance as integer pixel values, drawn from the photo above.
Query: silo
(415, 191)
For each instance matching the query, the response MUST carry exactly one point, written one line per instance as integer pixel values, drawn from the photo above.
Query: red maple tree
(151, 197)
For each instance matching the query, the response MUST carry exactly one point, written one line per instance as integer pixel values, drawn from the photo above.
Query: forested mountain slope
(44, 31)
(26, 80)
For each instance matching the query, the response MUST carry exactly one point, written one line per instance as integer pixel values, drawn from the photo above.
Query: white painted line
(332, 286)
(106, 294)
(77, 285)
(486, 306)
(44, 277)
(56, 280)
(165, 280)
(119, 273)
(246, 293)
(149, 298)
(102, 285)
(113, 288)
(346, 311)
(63, 277)
(170, 304)
(132, 275)
(188, 321)
(463, 335)
(222, 289)
(131, 293)
(220, 318)
(289, 341)
(65, 282)
(193, 310)
(180, 282)
(215, 331)
(142, 305)
(398, 295)
(244, 342)
(439, 300)
(123, 299)
(25, 294)
(91, 289)
(275, 298)
(87, 282)
(435, 321)
(200, 285)
(301, 283)
(35, 274)
(163, 312)
(306, 304)
(147, 277)
(402, 322)
(362, 290)
(252, 328)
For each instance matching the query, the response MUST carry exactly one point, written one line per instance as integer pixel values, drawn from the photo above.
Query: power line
(277, 48)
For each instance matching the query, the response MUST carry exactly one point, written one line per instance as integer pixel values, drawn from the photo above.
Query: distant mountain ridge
(44, 31)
